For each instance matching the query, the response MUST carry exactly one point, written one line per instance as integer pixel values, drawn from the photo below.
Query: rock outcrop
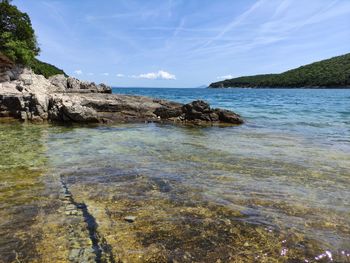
(74, 85)
(197, 111)
(27, 96)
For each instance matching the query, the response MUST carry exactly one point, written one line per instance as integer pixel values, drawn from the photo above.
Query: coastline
(27, 96)
(247, 169)
(184, 185)
(181, 185)
(280, 87)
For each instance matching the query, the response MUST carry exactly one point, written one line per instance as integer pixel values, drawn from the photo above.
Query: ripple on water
(273, 190)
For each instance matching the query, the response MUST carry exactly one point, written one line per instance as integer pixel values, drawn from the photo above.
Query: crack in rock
(93, 248)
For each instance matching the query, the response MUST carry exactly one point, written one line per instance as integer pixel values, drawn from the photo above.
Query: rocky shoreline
(30, 97)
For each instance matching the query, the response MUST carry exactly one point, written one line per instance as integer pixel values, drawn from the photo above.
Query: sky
(185, 43)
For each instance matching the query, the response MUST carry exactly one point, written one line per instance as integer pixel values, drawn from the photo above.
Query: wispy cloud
(78, 72)
(173, 28)
(225, 77)
(144, 14)
(105, 74)
(199, 40)
(282, 8)
(269, 23)
(237, 21)
(161, 74)
(179, 28)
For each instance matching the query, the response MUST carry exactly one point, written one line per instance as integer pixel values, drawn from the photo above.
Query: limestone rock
(27, 96)
(102, 88)
(228, 116)
(4, 77)
(166, 112)
(87, 85)
(198, 111)
(78, 113)
(59, 81)
(73, 83)
(70, 110)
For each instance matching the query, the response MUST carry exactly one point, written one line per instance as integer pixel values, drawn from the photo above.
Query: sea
(275, 189)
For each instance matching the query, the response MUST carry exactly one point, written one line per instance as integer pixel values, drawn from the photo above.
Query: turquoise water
(322, 114)
(275, 189)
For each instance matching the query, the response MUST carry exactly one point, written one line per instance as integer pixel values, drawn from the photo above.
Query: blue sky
(185, 43)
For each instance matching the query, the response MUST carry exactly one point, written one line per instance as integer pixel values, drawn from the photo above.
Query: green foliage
(15, 50)
(17, 38)
(18, 41)
(45, 69)
(333, 72)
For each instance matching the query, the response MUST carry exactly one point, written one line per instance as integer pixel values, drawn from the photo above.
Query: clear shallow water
(315, 114)
(274, 189)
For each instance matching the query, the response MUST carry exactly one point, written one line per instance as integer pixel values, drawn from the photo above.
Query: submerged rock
(130, 219)
(27, 96)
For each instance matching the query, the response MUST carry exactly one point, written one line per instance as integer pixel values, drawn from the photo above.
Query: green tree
(17, 37)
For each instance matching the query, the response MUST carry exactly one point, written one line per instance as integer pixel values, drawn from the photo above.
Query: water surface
(275, 189)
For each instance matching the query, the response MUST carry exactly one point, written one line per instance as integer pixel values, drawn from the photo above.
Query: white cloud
(90, 74)
(225, 77)
(161, 74)
(105, 74)
(119, 75)
(78, 72)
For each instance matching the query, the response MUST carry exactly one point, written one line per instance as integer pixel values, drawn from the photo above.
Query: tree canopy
(333, 72)
(17, 36)
(18, 41)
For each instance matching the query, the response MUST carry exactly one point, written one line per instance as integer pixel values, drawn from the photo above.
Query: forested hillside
(331, 73)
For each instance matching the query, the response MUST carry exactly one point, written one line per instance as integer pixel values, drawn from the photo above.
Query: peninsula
(329, 73)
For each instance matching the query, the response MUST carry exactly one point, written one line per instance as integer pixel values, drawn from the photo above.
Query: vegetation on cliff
(45, 69)
(18, 41)
(333, 72)
(17, 37)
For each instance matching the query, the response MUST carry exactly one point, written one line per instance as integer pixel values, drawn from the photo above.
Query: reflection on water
(236, 194)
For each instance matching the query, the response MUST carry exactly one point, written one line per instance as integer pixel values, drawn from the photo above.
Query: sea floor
(164, 193)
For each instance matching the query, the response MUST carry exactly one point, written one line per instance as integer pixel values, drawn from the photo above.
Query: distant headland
(329, 73)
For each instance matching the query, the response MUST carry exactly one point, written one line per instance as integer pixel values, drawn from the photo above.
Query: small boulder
(78, 113)
(4, 77)
(102, 88)
(88, 85)
(229, 116)
(26, 79)
(10, 74)
(73, 83)
(130, 219)
(201, 111)
(197, 110)
(59, 81)
(200, 106)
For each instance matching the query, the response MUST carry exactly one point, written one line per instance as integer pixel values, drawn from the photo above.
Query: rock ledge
(30, 97)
